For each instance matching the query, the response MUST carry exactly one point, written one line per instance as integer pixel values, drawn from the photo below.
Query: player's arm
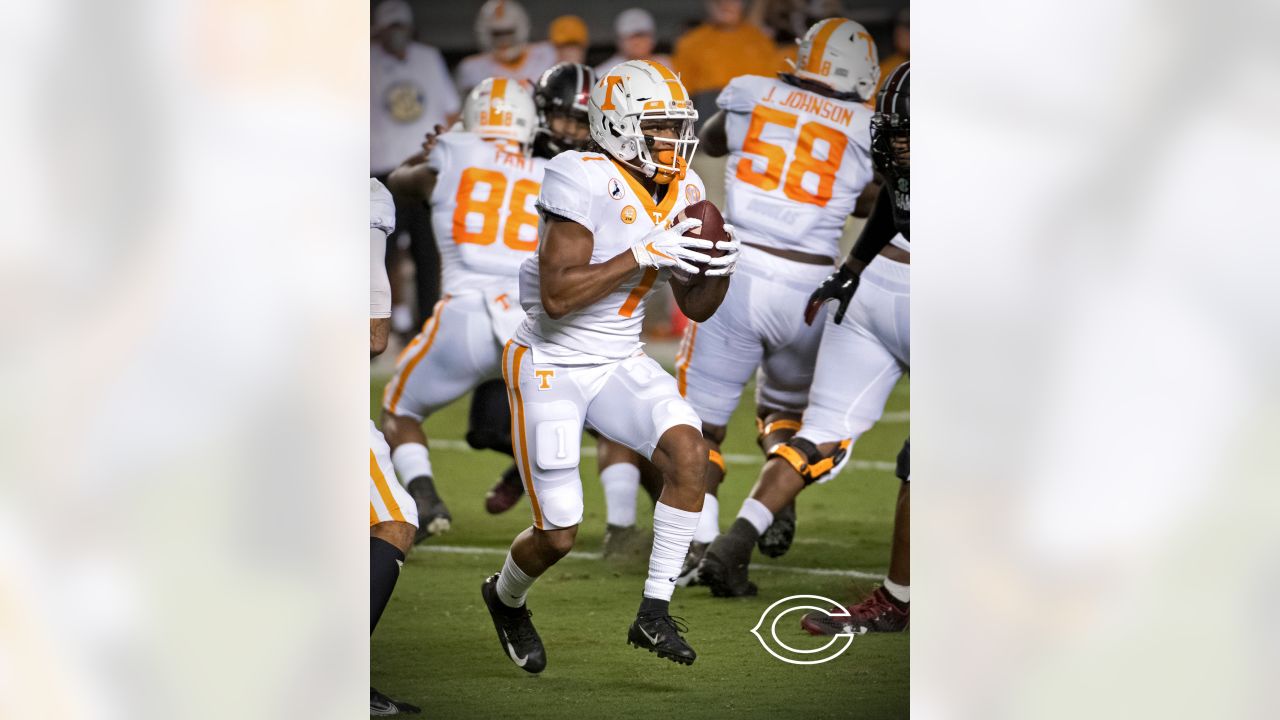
(712, 138)
(866, 202)
(415, 178)
(567, 278)
(379, 293)
(842, 283)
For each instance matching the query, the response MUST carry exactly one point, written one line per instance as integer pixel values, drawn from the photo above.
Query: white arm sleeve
(379, 283)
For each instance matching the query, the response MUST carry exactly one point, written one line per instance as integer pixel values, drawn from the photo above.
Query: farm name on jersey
(810, 103)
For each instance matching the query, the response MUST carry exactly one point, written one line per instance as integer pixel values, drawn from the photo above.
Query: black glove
(839, 285)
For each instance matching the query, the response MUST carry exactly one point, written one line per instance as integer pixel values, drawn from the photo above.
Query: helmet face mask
(642, 116)
(891, 129)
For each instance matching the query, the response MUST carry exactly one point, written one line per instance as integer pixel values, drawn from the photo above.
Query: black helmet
(562, 89)
(891, 121)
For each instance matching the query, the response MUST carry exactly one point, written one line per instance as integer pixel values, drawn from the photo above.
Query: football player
(392, 516)
(799, 157)
(607, 243)
(560, 96)
(481, 184)
(866, 347)
(502, 30)
(887, 608)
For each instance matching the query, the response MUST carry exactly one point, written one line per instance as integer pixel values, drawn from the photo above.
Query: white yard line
(586, 555)
(731, 458)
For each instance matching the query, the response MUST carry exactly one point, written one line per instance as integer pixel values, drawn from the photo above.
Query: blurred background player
(568, 35)
(560, 97)
(392, 517)
(799, 157)
(482, 185)
(634, 30)
(723, 47)
(887, 608)
(502, 31)
(607, 243)
(411, 92)
(862, 356)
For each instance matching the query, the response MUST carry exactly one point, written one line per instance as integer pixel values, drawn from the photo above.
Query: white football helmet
(636, 92)
(840, 54)
(500, 108)
(502, 16)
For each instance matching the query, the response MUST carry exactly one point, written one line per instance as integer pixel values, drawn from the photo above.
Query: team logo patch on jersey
(628, 214)
(692, 194)
(544, 378)
(615, 189)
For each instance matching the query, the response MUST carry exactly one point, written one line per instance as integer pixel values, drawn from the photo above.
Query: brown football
(712, 224)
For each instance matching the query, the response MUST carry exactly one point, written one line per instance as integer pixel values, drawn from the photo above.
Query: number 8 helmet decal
(499, 108)
(840, 54)
(633, 94)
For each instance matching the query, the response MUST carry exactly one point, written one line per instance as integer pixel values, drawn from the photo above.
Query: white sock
(621, 482)
(672, 532)
(411, 461)
(757, 514)
(900, 592)
(513, 583)
(709, 520)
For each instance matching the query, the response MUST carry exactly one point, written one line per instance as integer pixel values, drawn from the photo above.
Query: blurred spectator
(720, 49)
(785, 22)
(502, 30)
(411, 90)
(901, 45)
(568, 35)
(410, 93)
(634, 29)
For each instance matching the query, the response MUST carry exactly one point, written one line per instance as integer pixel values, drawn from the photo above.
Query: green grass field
(436, 647)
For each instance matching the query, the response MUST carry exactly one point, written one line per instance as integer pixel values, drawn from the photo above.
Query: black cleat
(661, 634)
(689, 574)
(433, 516)
(724, 567)
(516, 635)
(380, 705)
(777, 538)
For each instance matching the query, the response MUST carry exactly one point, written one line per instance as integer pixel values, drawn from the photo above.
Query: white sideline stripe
(587, 555)
(731, 458)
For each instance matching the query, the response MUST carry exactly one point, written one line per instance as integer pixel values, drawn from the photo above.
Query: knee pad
(903, 471)
(808, 460)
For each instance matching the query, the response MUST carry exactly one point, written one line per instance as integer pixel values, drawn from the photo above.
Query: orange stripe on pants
(520, 441)
(402, 376)
(384, 492)
(682, 364)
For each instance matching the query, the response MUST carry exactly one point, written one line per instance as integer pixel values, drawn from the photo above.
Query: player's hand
(429, 141)
(725, 264)
(840, 286)
(669, 248)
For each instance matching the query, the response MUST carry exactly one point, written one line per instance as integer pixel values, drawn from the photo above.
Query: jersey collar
(657, 211)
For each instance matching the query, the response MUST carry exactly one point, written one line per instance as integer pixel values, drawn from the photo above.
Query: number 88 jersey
(797, 162)
(482, 212)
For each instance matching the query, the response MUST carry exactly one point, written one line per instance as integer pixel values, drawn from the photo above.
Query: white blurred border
(184, 276)
(1095, 318)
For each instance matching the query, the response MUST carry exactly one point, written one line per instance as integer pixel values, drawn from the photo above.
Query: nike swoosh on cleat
(649, 637)
(511, 650)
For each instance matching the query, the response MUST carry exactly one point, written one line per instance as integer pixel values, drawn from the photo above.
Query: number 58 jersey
(797, 163)
(482, 212)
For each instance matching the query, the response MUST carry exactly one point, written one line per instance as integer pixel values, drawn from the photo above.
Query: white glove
(668, 247)
(726, 263)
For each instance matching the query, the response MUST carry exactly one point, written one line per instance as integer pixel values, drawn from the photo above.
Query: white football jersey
(529, 67)
(594, 191)
(797, 163)
(483, 213)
